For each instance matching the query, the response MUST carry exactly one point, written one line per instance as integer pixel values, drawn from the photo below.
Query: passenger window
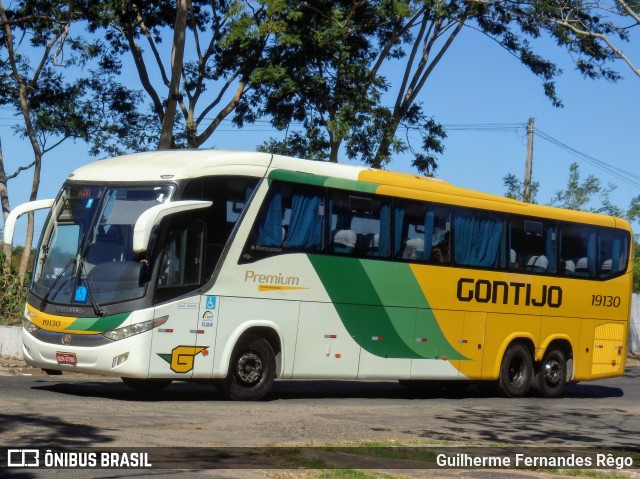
(422, 232)
(230, 195)
(291, 219)
(532, 246)
(360, 225)
(578, 250)
(182, 258)
(479, 238)
(613, 249)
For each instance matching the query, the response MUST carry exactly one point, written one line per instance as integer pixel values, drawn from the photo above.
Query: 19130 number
(605, 301)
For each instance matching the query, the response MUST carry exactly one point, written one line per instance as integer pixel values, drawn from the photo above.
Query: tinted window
(422, 232)
(578, 250)
(532, 245)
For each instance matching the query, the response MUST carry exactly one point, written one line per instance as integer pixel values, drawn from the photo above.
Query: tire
(516, 371)
(551, 377)
(146, 385)
(252, 371)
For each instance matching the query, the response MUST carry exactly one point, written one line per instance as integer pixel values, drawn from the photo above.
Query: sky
(484, 97)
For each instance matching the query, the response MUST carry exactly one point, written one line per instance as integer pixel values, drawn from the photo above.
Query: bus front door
(181, 347)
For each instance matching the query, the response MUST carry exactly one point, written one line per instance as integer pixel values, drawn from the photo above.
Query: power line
(623, 175)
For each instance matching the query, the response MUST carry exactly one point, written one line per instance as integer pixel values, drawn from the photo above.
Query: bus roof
(171, 165)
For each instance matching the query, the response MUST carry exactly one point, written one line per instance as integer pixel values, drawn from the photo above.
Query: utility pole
(529, 163)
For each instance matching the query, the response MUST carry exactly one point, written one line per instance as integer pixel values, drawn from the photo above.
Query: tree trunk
(35, 185)
(6, 208)
(177, 59)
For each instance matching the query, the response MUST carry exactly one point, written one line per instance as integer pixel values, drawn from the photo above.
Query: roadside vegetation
(306, 466)
(13, 293)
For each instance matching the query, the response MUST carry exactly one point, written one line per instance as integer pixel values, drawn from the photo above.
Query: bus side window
(230, 195)
(613, 248)
(291, 219)
(422, 232)
(359, 225)
(578, 247)
(479, 238)
(303, 219)
(182, 257)
(532, 246)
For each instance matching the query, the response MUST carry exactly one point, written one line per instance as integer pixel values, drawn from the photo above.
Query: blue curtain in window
(478, 241)
(305, 223)
(398, 222)
(270, 230)
(428, 235)
(384, 240)
(550, 250)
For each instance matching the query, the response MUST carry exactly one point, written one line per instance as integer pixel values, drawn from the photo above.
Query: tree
(329, 73)
(93, 108)
(609, 31)
(583, 195)
(579, 195)
(515, 188)
(216, 46)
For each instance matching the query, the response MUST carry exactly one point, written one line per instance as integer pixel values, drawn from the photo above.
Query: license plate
(66, 358)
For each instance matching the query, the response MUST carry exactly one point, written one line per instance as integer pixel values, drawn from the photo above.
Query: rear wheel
(551, 377)
(252, 370)
(516, 371)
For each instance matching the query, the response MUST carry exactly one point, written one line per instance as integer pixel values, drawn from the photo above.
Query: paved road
(80, 410)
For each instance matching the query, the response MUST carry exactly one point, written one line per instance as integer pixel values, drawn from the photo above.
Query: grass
(416, 450)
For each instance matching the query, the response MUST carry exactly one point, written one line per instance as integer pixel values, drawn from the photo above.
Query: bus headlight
(133, 329)
(28, 326)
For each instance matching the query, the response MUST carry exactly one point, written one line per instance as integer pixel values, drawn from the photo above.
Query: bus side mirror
(152, 217)
(17, 212)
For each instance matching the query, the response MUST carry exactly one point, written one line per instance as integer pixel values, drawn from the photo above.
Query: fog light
(118, 360)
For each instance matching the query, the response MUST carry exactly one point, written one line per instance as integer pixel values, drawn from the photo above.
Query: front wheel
(551, 378)
(251, 371)
(516, 371)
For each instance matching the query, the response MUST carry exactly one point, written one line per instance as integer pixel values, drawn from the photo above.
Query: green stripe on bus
(98, 325)
(378, 303)
(297, 177)
(319, 180)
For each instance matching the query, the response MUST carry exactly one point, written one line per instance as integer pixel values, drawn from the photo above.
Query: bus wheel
(251, 371)
(146, 385)
(551, 378)
(516, 371)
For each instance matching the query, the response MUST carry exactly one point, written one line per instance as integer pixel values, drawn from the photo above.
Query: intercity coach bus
(239, 268)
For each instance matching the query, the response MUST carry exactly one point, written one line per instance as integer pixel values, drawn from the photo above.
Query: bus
(241, 267)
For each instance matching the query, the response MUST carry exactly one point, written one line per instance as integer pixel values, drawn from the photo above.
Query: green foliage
(515, 188)
(578, 194)
(317, 63)
(73, 92)
(13, 295)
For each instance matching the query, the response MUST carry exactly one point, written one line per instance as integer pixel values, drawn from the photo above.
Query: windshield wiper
(45, 299)
(94, 304)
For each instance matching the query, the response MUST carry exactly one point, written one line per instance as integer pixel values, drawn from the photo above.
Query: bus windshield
(86, 255)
